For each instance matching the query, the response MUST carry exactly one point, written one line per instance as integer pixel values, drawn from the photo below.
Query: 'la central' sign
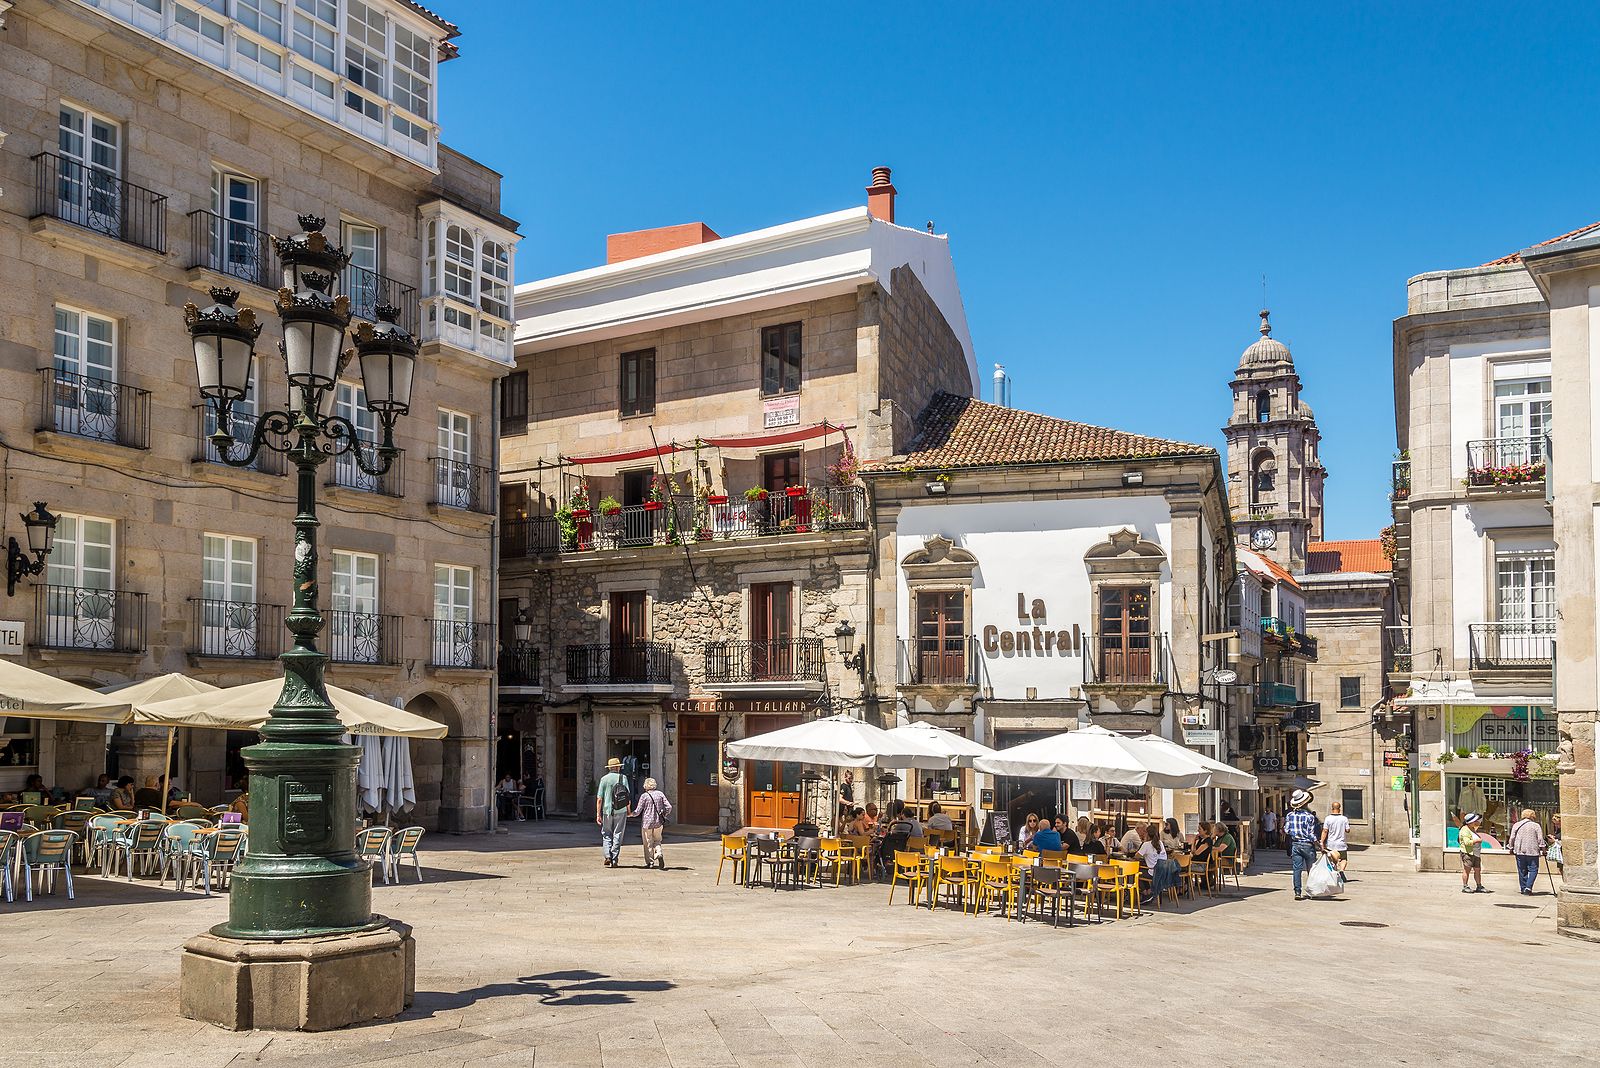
(1039, 639)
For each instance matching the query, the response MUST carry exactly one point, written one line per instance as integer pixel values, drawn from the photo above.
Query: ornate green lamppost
(301, 877)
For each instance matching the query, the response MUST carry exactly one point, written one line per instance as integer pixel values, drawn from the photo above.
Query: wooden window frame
(634, 364)
(514, 403)
(775, 340)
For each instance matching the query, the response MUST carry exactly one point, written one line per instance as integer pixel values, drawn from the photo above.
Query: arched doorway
(436, 765)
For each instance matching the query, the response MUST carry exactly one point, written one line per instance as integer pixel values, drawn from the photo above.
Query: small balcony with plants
(1508, 465)
(749, 668)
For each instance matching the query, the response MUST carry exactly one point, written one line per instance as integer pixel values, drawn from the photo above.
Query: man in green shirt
(611, 805)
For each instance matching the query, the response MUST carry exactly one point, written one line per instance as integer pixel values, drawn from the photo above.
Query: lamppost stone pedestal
(306, 984)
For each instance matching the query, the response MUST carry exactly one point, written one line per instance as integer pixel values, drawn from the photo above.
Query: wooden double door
(698, 773)
(772, 787)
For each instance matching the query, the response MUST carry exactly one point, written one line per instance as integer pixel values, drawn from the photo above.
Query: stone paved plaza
(529, 952)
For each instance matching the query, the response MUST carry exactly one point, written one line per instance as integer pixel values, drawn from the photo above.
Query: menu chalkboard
(999, 828)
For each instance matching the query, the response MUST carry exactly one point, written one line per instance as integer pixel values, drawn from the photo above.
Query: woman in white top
(1152, 851)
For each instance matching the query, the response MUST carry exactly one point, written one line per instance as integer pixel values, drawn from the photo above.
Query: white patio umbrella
(1095, 754)
(961, 750)
(399, 783)
(243, 708)
(32, 694)
(369, 773)
(1223, 776)
(841, 741)
(166, 687)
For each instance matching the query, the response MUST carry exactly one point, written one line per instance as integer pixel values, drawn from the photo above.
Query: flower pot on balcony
(796, 491)
(802, 510)
(653, 506)
(717, 498)
(613, 511)
(585, 528)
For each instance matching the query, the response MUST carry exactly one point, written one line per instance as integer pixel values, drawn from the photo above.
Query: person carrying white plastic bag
(1324, 879)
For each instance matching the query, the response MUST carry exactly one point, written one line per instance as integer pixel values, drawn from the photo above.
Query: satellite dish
(1224, 677)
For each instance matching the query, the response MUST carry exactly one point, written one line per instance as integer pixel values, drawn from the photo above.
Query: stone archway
(436, 765)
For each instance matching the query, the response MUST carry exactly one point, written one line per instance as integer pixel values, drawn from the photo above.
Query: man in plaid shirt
(1300, 828)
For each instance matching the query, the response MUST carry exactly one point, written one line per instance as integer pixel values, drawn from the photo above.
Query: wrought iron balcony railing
(367, 289)
(530, 537)
(519, 666)
(791, 660)
(1512, 644)
(100, 409)
(232, 248)
(246, 630)
(1276, 695)
(457, 484)
(1126, 660)
(1400, 480)
(100, 201)
(458, 643)
(88, 619)
(362, 638)
(1513, 461)
(948, 661)
(1399, 648)
(634, 663)
(344, 471)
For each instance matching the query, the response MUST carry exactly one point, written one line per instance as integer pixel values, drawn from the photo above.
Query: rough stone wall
(918, 355)
(1347, 620)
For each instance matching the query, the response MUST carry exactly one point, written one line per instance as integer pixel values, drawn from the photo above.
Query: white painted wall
(1471, 577)
(1035, 548)
(1469, 407)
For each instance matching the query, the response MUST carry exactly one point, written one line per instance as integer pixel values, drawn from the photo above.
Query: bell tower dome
(1275, 472)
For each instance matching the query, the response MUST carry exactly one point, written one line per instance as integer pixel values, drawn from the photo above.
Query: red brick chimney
(636, 243)
(880, 195)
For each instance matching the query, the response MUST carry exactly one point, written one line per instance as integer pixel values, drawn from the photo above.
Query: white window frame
(85, 404)
(1530, 597)
(88, 185)
(81, 604)
(353, 606)
(230, 623)
(453, 645)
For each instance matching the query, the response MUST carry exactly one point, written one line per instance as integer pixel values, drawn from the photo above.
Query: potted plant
(755, 510)
(842, 472)
(577, 524)
(1446, 756)
(755, 493)
(610, 506)
(657, 493)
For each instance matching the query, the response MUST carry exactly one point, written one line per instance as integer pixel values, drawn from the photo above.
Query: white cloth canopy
(166, 687)
(1095, 754)
(243, 708)
(369, 773)
(1223, 776)
(384, 778)
(960, 749)
(34, 695)
(841, 741)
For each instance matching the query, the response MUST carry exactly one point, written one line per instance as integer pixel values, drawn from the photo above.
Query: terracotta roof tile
(955, 431)
(1516, 257)
(1267, 565)
(1334, 557)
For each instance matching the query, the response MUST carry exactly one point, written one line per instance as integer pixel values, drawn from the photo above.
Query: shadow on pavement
(558, 989)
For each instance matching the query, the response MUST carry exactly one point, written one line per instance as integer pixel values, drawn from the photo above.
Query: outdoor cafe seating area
(195, 846)
(947, 868)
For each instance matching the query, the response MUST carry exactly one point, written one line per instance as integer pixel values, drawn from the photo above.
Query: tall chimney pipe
(880, 195)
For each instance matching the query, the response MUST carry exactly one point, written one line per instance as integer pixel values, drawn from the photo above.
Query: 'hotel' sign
(13, 640)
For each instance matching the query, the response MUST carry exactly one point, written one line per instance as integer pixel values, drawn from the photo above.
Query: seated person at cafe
(34, 784)
(872, 815)
(1223, 841)
(858, 822)
(1108, 838)
(1090, 834)
(938, 819)
(1131, 842)
(149, 795)
(1202, 842)
(1026, 831)
(122, 797)
(1046, 838)
(1069, 838)
(102, 790)
(903, 820)
(1171, 838)
(1157, 866)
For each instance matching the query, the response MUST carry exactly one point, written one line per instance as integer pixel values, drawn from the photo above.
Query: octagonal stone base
(311, 984)
(1578, 912)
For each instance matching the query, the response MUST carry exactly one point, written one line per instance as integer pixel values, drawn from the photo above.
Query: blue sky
(1115, 183)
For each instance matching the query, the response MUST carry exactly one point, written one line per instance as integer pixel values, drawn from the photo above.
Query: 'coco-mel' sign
(1039, 639)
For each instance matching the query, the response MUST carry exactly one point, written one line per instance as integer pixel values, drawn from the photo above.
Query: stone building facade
(1567, 272)
(685, 537)
(1032, 575)
(150, 150)
(1475, 553)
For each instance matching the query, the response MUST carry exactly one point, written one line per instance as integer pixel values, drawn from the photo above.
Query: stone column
(1578, 902)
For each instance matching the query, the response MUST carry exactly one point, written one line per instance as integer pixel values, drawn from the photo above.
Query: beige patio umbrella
(161, 688)
(34, 695)
(244, 708)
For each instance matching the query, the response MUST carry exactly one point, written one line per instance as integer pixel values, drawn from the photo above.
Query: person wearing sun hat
(611, 806)
(1470, 842)
(1300, 829)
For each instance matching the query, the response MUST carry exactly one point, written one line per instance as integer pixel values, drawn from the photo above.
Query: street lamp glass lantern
(312, 339)
(845, 635)
(224, 340)
(388, 361)
(41, 528)
(522, 628)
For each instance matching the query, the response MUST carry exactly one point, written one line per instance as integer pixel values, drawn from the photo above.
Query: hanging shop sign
(1393, 758)
(730, 769)
(12, 638)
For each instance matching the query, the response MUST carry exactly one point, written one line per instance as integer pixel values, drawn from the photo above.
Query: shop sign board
(1208, 737)
(737, 706)
(780, 411)
(12, 637)
(1397, 782)
(1394, 759)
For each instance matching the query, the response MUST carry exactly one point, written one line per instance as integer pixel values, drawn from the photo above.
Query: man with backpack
(612, 802)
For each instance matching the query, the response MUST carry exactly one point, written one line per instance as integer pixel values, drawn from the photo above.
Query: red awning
(624, 457)
(782, 437)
